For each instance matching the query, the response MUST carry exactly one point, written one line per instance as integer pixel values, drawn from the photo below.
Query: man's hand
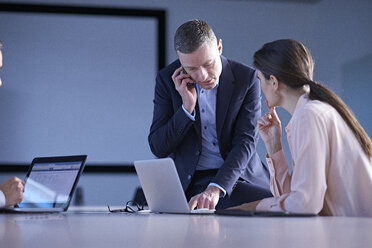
(207, 199)
(188, 94)
(13, 191)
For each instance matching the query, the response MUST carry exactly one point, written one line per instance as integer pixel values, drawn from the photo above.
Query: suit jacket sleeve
(241, 156)
(170, 123)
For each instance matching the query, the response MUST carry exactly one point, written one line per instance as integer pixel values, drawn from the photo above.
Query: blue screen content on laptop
(50, 185)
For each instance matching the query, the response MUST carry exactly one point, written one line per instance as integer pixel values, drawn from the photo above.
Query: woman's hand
(270, 130)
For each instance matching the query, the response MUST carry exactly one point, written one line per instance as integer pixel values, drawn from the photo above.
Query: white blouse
(331, 174)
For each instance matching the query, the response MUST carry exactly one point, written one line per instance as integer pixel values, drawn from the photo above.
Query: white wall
(338, 33)
(82, 81)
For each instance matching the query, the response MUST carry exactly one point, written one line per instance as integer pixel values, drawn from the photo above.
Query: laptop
(50, 184)
(162, 187)
(164, 194)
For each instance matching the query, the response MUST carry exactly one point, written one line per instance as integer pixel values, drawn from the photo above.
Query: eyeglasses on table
(130, 207)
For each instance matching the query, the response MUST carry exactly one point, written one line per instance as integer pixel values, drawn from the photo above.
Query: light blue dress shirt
(210, 157)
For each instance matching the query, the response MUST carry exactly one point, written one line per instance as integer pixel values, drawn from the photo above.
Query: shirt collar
(199, 88)
(302, 100)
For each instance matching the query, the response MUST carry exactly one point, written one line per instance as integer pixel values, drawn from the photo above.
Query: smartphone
(190, 85)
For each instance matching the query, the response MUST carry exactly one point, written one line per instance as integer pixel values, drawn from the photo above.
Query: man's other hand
(207, 199)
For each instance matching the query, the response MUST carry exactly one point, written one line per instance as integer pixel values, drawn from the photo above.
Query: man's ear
(219, 46)
(274, 82)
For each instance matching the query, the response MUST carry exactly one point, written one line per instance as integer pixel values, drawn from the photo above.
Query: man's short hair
(191, 35)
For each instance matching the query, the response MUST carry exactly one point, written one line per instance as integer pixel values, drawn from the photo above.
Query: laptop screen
(50, 184)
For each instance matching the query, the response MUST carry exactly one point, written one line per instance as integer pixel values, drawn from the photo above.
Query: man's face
(204, 65)
(1, 64)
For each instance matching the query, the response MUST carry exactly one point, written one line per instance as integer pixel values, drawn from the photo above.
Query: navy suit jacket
(238, 108)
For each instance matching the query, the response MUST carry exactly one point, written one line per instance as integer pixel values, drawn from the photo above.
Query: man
(11, 192)
(206, 109)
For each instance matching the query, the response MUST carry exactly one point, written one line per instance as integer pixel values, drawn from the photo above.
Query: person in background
(206, 109)
(11, 191)
(331, 152)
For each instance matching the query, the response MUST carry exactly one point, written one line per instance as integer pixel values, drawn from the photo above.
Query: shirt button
(189, 177)
(203, 110)
(214, 143)
(205, 127)
(202, 91)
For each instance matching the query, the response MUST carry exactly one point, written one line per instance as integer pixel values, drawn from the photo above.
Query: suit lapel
(224, 94)
(197, 123)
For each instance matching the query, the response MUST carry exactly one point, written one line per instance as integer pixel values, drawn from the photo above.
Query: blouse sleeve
(2, 199)
(280, 180)
(309, 147)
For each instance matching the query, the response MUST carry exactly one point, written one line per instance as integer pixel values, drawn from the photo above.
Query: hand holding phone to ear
(185, 87)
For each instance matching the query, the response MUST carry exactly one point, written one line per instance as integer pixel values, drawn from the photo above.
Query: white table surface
(95, 227)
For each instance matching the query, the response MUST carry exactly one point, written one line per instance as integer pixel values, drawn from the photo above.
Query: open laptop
(50, 184)
(162, 187)
(164, 194)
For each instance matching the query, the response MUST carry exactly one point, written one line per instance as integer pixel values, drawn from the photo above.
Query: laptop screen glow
(49, 184)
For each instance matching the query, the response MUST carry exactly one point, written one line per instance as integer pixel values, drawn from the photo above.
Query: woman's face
(268, 89)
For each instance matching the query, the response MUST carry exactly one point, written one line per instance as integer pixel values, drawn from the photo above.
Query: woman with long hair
(331, 152)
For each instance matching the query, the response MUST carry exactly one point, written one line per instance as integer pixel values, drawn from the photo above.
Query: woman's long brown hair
(291, 63)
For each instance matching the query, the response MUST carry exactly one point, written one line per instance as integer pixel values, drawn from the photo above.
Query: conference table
(96, 227)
